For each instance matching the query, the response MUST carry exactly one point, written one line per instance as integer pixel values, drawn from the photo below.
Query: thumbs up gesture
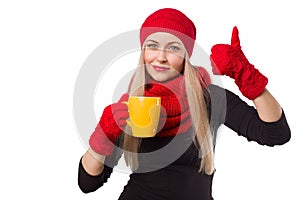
(230, 60)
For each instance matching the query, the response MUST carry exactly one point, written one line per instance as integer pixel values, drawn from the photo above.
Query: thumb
(235, 41)
(123, 98)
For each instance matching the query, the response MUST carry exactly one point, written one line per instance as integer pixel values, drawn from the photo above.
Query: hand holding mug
(110, 126)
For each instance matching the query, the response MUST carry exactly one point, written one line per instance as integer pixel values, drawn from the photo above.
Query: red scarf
(175, 115)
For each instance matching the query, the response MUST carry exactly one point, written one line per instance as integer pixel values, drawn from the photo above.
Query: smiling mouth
(160, 69)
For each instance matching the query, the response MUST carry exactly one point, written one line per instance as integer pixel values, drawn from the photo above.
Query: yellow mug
(144, 113)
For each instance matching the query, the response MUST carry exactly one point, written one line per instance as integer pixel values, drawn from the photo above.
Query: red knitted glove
(230, 60)
(110, 126)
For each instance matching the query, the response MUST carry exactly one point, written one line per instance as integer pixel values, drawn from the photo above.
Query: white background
(43, 46)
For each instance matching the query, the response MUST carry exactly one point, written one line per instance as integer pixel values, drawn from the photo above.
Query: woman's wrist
(93, 162)
(269, 110)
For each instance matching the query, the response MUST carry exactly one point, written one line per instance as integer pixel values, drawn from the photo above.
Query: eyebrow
(167, 43)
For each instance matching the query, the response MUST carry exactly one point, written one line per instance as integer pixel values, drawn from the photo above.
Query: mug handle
(127, 121)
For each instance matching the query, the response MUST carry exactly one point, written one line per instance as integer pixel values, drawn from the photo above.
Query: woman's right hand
(110, 126)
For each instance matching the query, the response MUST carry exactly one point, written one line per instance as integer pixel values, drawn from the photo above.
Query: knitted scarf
(175, 115)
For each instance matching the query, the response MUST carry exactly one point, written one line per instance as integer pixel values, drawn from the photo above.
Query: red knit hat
(171, 21)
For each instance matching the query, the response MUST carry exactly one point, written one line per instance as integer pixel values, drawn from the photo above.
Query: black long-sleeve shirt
(169, 166)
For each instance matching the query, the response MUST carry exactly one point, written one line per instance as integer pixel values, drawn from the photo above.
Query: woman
(178, 163)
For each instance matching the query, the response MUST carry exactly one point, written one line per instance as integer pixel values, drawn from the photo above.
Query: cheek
(148, 57)
(177, 63)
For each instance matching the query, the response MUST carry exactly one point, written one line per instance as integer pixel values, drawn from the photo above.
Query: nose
(161, 56)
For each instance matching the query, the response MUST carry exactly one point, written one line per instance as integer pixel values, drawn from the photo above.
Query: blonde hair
(197, 100)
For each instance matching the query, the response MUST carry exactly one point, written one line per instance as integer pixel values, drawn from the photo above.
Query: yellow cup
(144, 113)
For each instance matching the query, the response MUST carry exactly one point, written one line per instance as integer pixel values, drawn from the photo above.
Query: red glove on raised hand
(230, 60)
(110, 126)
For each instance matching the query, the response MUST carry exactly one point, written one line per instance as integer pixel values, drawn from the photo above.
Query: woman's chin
(160, 78)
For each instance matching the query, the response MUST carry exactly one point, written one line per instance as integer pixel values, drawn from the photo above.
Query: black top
(169, 166)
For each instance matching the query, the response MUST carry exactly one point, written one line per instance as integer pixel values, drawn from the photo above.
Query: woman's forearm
(269, 110)
(93, 162)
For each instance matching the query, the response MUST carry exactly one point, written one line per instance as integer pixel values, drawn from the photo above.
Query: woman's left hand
(230, 60)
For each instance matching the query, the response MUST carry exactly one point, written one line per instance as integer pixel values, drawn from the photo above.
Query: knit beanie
(171, 21)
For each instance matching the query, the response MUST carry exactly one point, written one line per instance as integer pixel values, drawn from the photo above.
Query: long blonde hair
(197, 100)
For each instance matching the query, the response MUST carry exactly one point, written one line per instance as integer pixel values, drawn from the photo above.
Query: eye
(152, 46)
(174, 48)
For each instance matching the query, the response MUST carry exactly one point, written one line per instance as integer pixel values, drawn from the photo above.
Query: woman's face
(164, 56)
